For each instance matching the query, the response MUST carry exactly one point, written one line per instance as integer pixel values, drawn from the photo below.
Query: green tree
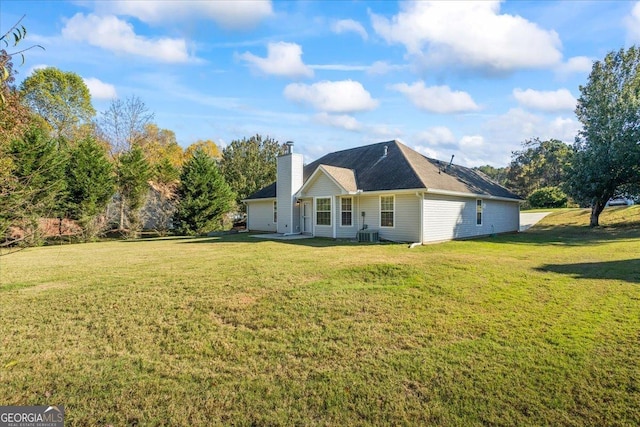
(498, 175)
(36, 187)
(540, 164)
(61, 98)
(133, 176)
(204, 196)
(548, 197)
(607, 148)
(250, 164)
(91, 184)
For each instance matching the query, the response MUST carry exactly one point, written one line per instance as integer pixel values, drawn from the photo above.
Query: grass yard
(537, 328)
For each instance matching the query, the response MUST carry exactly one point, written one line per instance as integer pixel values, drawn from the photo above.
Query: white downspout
(334, 214)
(420, 243)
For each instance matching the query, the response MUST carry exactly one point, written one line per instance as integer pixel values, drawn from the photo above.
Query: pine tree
(133, 176)
(37, 185)
(91, 184)
(204, 196)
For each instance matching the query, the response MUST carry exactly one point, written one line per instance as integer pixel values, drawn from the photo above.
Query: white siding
(323, 186)
(347, 232)
(501, 217)
(448, 217)
(406, 220)
(444, 217)
(260, 216)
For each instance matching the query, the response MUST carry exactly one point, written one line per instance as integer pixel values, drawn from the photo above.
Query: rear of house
(385, 188)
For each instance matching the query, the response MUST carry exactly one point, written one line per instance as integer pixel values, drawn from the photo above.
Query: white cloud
(283, 59)
(382, 67)
(342, 121)
(236, 14)
(559, 100)
(377, 68)
(99, 89)
(344, 96)
(36, 67)
(471, 142)
(565, 129)
(507, 131)
(426, 151)
(469, 33)
(577, 64)
(632, 22)
(339, 67)
(435, 136)
(349, 25)
(436, 99)
(116, 35)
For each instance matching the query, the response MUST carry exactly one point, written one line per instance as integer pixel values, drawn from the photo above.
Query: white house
(386, 189)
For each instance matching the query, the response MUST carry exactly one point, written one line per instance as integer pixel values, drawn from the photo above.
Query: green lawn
(537, 328)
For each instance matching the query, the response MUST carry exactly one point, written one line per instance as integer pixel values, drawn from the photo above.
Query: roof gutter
(264, 199)
(477, 196)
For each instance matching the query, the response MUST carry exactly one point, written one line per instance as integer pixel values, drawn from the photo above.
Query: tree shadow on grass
(625, 270)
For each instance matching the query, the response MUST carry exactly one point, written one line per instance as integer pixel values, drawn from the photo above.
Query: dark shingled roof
(401, 169)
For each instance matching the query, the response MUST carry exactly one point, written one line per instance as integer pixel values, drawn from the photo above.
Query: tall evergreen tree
(37, 185)
(91, 184)
(204, 196)
(132, 178)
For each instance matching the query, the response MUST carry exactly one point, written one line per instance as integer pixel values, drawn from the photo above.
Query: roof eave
(263, 199)
(474, 195)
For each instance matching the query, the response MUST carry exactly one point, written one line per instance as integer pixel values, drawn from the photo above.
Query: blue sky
(470, 79)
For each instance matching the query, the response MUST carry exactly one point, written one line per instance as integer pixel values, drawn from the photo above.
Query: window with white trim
(478, 212)
(323, 211)
(275, 211)
(387, 211)
(346, 211)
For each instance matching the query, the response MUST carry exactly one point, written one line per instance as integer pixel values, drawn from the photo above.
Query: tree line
(89, 172)
(604, 160)
(117, 169)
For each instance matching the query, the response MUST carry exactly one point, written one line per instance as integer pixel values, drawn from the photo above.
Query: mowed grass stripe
(539, 328)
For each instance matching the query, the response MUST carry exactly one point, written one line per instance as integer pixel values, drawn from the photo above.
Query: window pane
(323, 211)
(346, 204)
(323, 204)
(346, 219)
(386, 211)
(386, 219)
(386, 203)
(324, 218)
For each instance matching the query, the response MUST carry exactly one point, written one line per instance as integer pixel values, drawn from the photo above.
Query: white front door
(306, 217)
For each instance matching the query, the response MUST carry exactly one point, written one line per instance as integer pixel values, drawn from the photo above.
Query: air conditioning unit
(368, 236)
